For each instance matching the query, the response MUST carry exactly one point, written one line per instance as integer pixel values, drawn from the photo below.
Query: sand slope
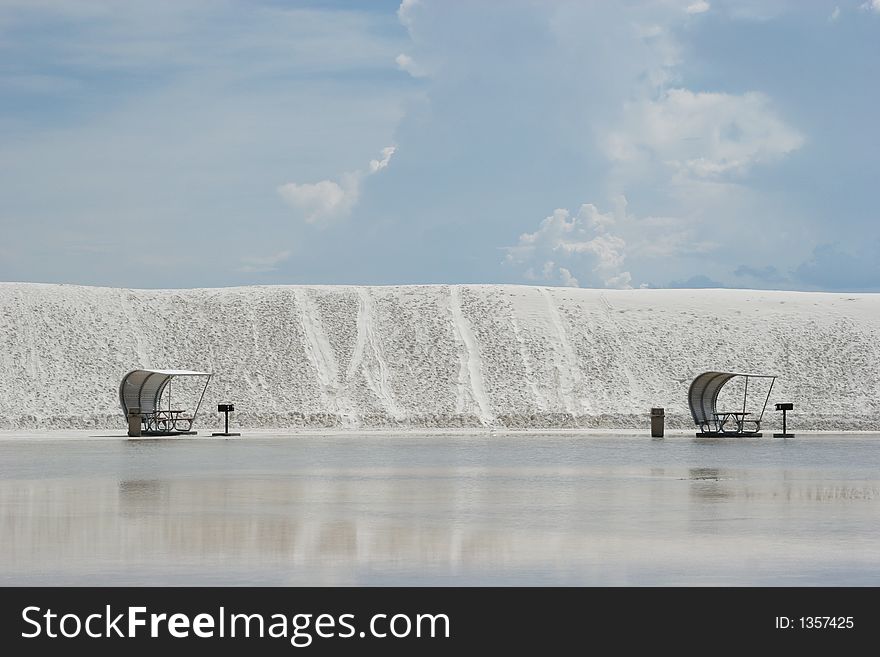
(435, 356)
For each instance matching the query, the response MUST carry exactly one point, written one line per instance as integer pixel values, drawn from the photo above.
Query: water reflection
(331, 512)
(704, 474)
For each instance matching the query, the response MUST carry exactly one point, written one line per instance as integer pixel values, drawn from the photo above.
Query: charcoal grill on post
(226, 409)
(787, 406)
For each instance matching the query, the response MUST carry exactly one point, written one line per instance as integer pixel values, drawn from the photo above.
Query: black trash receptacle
(134, 422)
(657, 419)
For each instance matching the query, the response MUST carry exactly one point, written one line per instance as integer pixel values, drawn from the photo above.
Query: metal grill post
(225, 409)
(784, 407)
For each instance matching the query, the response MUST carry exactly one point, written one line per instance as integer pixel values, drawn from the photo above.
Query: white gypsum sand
(435, 356)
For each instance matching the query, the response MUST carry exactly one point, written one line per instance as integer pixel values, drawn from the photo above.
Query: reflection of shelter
(141, 393)
(703, 398)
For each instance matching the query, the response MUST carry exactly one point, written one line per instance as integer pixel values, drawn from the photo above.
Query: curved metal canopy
(143, 388)
(704, 390)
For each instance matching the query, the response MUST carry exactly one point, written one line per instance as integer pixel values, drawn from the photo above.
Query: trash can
(657, 418)
(134, 422)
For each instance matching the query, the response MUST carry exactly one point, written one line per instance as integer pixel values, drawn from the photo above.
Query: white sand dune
(436, 355)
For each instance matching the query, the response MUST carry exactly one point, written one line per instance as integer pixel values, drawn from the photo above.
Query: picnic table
(141, 393)
(703, 397)
(723, 417)
(168, 419)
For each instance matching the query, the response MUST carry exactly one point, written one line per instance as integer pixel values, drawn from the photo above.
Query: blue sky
(655, 143)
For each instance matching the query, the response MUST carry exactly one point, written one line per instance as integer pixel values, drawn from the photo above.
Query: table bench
(739, 419)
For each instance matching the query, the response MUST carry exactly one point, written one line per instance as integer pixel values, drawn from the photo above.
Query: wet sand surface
(560, 509)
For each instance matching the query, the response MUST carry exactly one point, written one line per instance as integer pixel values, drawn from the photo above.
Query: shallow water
(482, 509)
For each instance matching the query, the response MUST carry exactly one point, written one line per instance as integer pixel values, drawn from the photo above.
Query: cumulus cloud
(698, 7)
(406, 14)
(261, 264)
(872, 5)
(324, 199)
(687, 151)
(408, 65)
(702, 135)
(834, 14)
(585, 243)
(665, 54)
(405, 11)
(329, 199)
(669, 237)
(567, 279)
(592, 248)
(378, 165)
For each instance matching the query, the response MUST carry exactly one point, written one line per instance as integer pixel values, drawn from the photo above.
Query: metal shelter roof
(703, 393)
(143, 388)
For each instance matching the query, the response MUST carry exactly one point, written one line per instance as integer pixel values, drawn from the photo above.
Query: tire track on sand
(571, 381)
(320, 353)
(471, 370)
(367, 345)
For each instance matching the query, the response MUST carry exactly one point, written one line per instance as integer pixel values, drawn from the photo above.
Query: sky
(641, 143)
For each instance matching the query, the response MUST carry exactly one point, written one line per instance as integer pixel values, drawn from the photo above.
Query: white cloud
(702, 135)
(408, 65)
(215, 107)
(584, 242)
(834, 14)
(698, 7)
(322, 200)
(328, 199)
(404, 12)
(669, 237)
(593, 247)
(260, 264)
(872, 5)
(665, 54)
(378, 165)
(685, 151)
(567, 279)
